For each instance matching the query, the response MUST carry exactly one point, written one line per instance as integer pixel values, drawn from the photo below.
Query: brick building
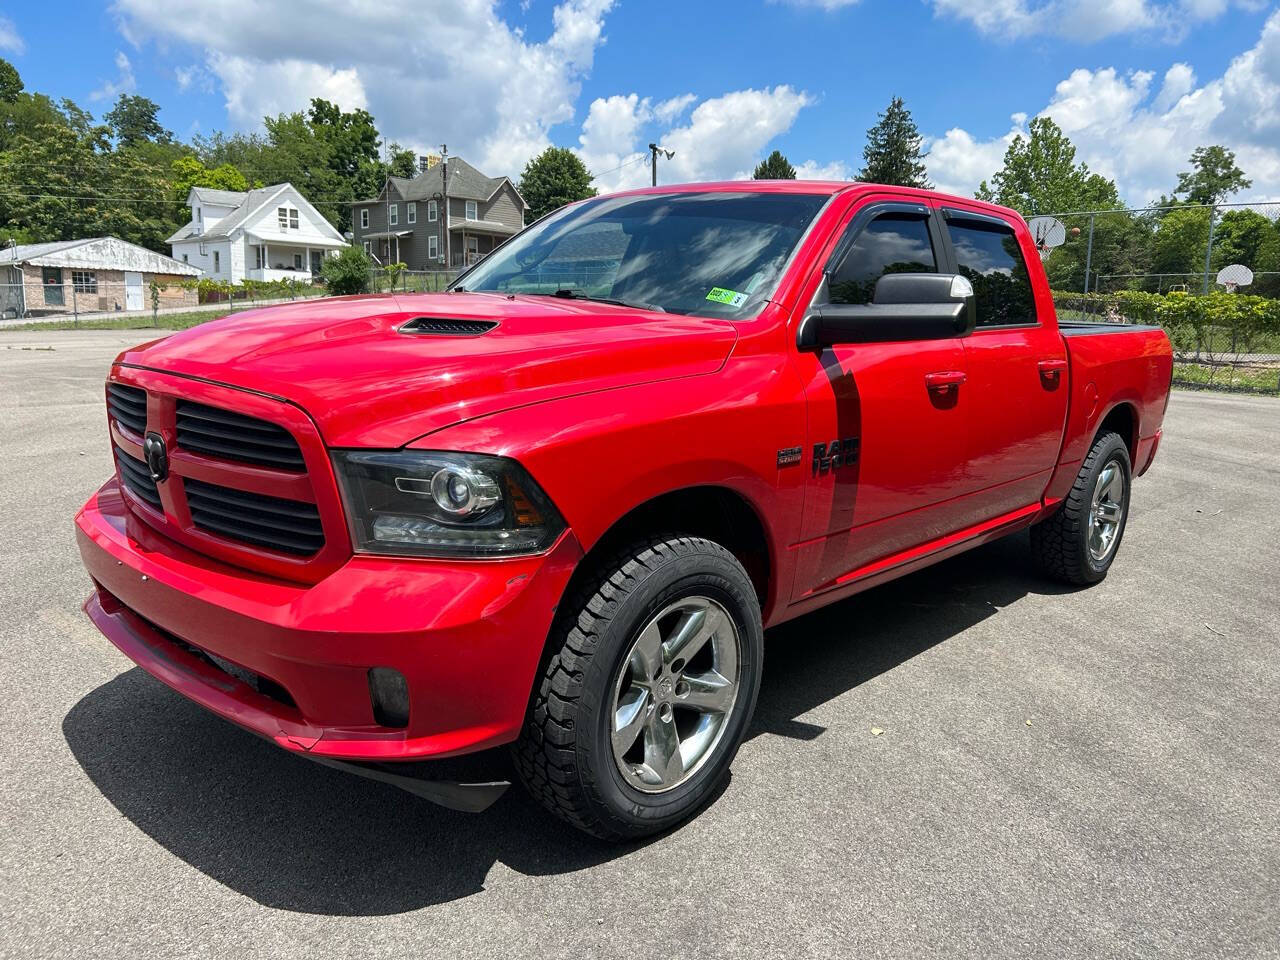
(89, 276)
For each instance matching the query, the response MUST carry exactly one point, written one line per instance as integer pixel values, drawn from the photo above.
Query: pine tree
(774, 167)
(892, 154)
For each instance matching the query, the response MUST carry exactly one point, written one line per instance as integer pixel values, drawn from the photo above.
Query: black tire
(565, 754)
(1061, 542)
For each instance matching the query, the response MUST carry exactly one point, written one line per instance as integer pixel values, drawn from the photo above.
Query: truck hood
(366, 384)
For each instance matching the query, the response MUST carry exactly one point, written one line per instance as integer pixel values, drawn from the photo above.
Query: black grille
(128, 406)
(233, 436)
(289, 526)
(446, 327)
(135, 475)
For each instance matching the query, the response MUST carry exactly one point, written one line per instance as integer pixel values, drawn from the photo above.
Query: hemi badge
(789, 456)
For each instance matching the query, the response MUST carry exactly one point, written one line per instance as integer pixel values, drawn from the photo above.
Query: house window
(364, 219)
(432, 213)
(200, 216)
(472, 212)
(297, 261)
(433, 247)
(366, 246)
(282, 217)
(293, 219)
(217, 262)
(84, 281)
(412, 211)
(393, 215)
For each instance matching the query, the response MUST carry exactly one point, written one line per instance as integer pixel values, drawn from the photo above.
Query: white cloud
(723, 136)
(1179, 80)
(1085, 21)
(835, 170)
(439, 73)
(254, 89)
(10, 39)
(957, 162)
(727, 134)
(1141, 141)
(193, 77)
(668, 111)
(125, 82)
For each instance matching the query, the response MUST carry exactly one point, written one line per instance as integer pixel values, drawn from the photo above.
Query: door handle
(944, 381)
(1051, 370)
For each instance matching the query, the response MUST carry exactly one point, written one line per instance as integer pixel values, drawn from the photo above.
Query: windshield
(707, 254)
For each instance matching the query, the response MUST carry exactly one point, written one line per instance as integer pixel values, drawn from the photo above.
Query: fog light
(389, 694)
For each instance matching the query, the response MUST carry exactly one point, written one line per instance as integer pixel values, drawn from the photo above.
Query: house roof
(219, 198)
(96, 253)
(245, 207)
(465, 183)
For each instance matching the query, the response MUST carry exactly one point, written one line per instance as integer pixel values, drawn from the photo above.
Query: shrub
(347, 273)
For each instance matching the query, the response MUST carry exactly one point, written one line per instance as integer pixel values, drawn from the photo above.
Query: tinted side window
(990, 257)
(891, 243)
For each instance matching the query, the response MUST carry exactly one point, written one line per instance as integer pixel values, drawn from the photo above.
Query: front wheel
(1079, 542)
(647, 695)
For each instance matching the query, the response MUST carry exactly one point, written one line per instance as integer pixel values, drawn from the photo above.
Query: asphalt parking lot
(1059, 773)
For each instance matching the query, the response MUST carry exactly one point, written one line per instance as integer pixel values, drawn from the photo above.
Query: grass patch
(1227, 377)
(165, 321)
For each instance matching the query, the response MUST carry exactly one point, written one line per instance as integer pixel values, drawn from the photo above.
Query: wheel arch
(714, 511)
(1122, 418)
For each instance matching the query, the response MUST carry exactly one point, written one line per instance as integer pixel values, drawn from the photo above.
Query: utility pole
(444, 216)
(654, 149)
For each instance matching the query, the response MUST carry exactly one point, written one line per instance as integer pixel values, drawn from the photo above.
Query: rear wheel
(1079, 542)
(648, 692)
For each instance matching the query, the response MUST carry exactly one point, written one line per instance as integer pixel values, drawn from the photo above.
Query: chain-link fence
(1162, 265)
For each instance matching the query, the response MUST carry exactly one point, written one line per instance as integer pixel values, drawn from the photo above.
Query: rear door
(887, 440)
(1016, 363)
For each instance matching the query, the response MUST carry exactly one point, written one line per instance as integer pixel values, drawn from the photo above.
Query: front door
(133, 291)
(888, 422)
(315, 263)
(1017, 367)
(51, 282)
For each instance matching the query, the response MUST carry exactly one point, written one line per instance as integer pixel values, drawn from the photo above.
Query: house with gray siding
(449, 210)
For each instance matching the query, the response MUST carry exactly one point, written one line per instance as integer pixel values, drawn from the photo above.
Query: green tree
(774, 167)
(1180, 241)
(1213, 178)
(348, 272)
(893, 151)
(132, 121)
(1040, 176)
(553, 178)
(187, 172)
(10, 82)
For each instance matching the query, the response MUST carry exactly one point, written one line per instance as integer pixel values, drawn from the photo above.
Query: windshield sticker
(730, 297)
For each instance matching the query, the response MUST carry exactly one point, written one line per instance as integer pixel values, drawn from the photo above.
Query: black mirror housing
(906, 306)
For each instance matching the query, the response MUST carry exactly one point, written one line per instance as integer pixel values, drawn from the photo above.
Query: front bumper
(467, 635)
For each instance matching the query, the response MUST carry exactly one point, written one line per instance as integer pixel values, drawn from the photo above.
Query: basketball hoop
(1235, 276)
(1048, 233)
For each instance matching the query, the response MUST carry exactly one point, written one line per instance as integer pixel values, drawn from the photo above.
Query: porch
(268, 261)
(470, 241)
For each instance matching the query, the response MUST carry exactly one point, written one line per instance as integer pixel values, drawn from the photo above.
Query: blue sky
(1137, 83)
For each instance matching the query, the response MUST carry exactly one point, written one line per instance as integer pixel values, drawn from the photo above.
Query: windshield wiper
(568, 293)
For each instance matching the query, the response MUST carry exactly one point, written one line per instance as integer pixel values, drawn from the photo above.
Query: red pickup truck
(557, 505)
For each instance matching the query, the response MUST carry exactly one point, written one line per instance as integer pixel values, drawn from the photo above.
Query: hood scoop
(448, 326)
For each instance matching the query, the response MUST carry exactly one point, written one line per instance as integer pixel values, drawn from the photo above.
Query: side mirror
(906, 306)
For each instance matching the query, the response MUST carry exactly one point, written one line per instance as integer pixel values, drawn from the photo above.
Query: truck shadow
(293, 835)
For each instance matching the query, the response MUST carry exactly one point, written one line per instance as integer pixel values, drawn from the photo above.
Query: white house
(271, 233)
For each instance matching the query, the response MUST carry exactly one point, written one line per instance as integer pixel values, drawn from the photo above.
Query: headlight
(429, 504)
